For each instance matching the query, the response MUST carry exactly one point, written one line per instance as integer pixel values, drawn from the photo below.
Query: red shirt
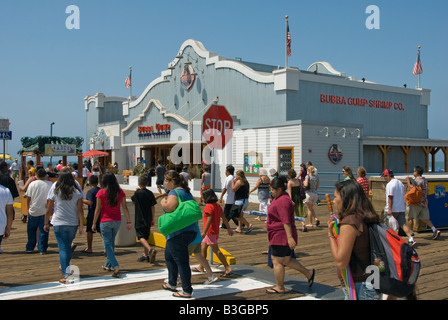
(364, 184)
(109, 213)
(280, 212)
(215, 211)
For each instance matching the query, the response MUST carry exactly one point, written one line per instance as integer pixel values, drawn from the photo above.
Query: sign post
(217, 130)
(5, 134)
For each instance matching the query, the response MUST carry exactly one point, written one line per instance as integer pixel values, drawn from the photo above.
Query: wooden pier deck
(19, 269)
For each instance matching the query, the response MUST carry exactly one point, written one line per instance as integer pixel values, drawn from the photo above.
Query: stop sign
(217, 127)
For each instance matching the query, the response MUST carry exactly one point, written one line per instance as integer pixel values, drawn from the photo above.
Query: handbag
(186, 213)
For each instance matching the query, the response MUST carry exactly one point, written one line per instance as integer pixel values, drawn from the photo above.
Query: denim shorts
(362, 292)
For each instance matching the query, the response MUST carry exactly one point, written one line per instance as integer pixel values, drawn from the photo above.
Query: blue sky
(46, 69)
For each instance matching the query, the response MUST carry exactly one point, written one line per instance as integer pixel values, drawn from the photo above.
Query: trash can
(125, 237)
(438, 200)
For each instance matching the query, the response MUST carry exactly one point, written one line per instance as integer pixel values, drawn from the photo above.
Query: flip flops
(311, 280)
(274, 291)
(226, 275)
(249, 230)
(181, 294)
(166, 286)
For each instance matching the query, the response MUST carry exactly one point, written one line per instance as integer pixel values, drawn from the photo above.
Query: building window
(285, 160)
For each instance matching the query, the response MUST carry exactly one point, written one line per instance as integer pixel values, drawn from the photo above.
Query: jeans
(178, 260)
(109, 230)
(362, 292)
(35, 223)
(65, 236)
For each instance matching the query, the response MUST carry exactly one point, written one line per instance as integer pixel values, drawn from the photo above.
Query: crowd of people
(60, 205)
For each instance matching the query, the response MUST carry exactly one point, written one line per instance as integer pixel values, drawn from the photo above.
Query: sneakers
(211, 279)
(150, 258)
(143, 259)
(436, 234)
(411, 242)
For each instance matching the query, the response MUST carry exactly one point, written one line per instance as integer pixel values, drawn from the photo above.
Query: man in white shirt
(15, 169)
(395, 204)
(6, 213)
(227, 188)
(85, 174)
(36, 196)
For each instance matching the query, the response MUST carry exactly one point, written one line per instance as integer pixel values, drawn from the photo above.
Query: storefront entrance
(152, 154)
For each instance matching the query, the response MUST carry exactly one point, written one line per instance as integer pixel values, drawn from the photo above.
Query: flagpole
(130, 87)
(419, 73)
(286, 42)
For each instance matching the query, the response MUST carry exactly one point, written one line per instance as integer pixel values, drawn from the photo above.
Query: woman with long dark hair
(240, 186)
(67, 218)
(354, 212)
(109, 200)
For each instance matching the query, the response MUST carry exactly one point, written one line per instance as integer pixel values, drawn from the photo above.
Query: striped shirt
(364, 182)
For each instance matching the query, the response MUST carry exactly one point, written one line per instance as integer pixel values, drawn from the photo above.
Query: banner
(60, 150)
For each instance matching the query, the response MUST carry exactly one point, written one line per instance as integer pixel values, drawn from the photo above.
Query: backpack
(414, 196)
(398, 263)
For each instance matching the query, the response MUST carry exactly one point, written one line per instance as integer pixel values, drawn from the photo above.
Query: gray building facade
(281, 117)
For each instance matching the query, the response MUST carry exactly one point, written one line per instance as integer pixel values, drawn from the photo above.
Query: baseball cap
(387, 172)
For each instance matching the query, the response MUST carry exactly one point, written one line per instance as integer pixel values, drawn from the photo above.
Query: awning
(94, 154)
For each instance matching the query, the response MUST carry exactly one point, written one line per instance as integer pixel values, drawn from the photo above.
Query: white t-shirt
(5, 199)
(395, 188)
(228, 186)
(66, 212)
(54, 186)
(15, 166)
(38, 191)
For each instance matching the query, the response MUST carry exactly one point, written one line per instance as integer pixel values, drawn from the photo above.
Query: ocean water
(46, 160)
(440, 166)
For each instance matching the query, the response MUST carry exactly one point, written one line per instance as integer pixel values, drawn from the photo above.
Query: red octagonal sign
(217, 127)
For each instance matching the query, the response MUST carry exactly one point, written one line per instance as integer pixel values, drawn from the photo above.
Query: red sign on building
(217, 127)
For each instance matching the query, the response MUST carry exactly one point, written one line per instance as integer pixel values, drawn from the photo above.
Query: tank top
(263, 190)
(207, 179)
(312, 183)
(242, 192)
(360, 257)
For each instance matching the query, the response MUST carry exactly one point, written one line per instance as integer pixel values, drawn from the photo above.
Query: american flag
(288, 40)
(128, 80)
(418, 66)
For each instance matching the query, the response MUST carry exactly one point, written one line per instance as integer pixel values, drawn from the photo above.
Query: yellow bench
(159, 240)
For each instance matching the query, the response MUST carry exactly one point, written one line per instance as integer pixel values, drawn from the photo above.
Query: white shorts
(263, 205)
(311, 198)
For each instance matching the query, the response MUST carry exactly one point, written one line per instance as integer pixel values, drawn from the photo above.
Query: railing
(327, 181)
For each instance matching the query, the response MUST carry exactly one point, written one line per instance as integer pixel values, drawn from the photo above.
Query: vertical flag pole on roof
(418, 67)
(128, 83)
(288, 42)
